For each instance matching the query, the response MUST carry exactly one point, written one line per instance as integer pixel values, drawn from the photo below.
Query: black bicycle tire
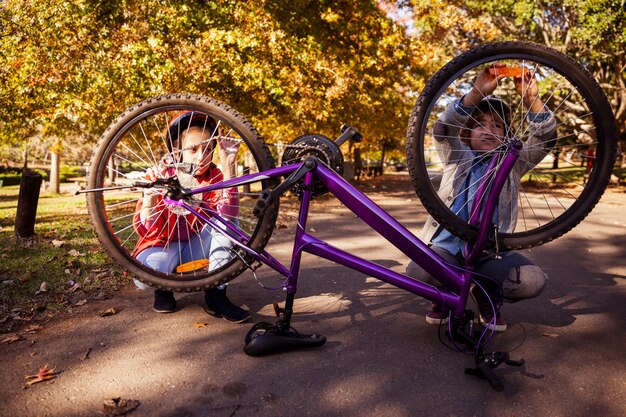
(571, 70)
(254, 141)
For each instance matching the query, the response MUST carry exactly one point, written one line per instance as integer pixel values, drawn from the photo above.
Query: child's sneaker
(437, 315)
(164, 301)
(485, 312)
(218, 305)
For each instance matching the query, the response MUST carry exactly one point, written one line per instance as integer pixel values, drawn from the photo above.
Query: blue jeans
(520, 278)
(208, 244)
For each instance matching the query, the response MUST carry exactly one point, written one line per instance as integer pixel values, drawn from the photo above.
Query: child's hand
(528, 88)
(484, 85)
(227, 146)
(151, 175)
(228, 149)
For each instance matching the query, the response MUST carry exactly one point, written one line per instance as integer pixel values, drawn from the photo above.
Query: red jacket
(166, 226)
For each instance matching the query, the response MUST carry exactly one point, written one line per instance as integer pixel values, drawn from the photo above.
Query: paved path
(381, 359)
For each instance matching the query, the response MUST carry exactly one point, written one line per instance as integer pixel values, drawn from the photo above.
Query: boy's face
(195, 151)
(488, 133)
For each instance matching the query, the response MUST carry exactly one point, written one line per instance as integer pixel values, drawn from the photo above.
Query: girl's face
(488, 133)
(196, 152)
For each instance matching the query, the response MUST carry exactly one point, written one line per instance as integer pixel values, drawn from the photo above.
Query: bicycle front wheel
(186, 139)
(553, 192)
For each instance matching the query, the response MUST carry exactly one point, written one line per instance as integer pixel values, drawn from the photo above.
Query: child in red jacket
(167, 238)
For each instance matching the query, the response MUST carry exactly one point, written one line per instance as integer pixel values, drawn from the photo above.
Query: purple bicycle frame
(456, 281)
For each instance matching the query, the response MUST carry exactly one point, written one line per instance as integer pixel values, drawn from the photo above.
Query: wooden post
(55, 171)
(27, 201)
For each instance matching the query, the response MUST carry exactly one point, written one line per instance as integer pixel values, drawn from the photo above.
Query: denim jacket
(457, 157)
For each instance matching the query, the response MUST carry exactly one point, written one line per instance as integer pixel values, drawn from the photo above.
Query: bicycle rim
(554, 193)
(200, 255)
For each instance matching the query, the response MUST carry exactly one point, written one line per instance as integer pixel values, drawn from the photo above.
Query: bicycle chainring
(319, 146)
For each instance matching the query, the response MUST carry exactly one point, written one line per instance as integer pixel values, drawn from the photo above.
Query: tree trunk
(55, 183)
(25, 154)
(27, 204)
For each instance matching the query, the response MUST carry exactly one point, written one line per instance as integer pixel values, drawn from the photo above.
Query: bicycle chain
(191, 168)
(231, 139)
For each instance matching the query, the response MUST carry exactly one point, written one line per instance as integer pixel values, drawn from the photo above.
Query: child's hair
(489, 104)
(184, 122)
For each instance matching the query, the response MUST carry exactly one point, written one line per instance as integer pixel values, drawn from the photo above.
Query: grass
(65, 255)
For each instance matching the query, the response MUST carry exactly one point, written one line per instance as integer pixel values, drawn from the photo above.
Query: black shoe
(164, 301)
(218, 305)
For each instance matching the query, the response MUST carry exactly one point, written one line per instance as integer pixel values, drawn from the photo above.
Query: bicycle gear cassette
(187, 182)
(314, 145)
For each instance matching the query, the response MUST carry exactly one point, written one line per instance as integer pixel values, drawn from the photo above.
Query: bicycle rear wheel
(152, 134)
(554, 194)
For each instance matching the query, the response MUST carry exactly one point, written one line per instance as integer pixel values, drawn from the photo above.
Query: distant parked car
(400, 166)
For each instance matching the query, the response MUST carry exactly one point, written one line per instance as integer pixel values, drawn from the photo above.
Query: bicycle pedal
(278, 310)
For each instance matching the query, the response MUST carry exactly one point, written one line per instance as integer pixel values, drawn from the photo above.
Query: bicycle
(552, 200)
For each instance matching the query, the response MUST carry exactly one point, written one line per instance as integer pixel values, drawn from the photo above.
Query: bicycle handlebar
(487, 372)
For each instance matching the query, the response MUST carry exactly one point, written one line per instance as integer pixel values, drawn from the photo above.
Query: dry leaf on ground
(42, 288)
(44, 374)
(118, 406)
(33, 328)
(109, 312)
(10, 338)
(102, 296)
(198, 324)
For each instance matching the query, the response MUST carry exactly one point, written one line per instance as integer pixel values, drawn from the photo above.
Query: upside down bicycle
(555, 195)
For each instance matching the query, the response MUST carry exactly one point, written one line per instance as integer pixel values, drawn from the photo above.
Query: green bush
(70, 172)
(13, 176)
(10, 179)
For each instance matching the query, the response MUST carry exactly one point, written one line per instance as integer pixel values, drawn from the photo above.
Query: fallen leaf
(75, 287)
(60, 297)
(23, 318)
(74, 252)
(42, 288)
(86, 355)
(58, 243)
(10, 338)
(82, 302)
(551, 335)
(44, 374)
(102, 275)
(33, 328)
(198, 324)
(102, 296)
(118, 406)
(109, 312)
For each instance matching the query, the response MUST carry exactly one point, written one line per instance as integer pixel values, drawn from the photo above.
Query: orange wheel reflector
(507, 71)
(192, 266)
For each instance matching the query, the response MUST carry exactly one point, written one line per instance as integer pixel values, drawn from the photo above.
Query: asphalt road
(381, 358)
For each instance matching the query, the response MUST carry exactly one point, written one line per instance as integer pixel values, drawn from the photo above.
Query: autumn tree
(291, 67)
(591, 31)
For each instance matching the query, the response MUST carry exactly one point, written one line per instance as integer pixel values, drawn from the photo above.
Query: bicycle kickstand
(266, 339)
